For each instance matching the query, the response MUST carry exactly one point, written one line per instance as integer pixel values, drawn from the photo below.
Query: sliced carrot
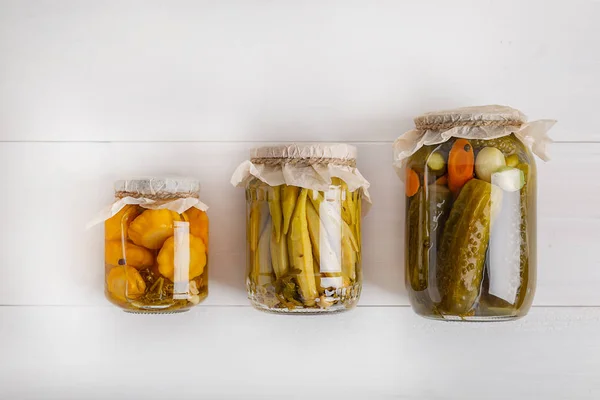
(412, 182)
(460, 165)
(442, 180)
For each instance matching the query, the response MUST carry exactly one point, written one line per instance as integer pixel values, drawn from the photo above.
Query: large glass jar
(470, 249)
(156, 246)
(303, 240)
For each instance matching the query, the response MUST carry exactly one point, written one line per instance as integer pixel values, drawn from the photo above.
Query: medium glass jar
(303, 242)
(156, 246)
(471, 219)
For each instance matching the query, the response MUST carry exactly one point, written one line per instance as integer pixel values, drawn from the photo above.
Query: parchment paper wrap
(175, 194)
(483, 122)
(309, 166)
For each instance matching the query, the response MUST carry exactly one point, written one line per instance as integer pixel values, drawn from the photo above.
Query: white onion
(489, 160)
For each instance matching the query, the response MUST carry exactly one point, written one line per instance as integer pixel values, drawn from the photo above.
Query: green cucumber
(437, 163)
(463, 248)
(425, 220)
(418, 161)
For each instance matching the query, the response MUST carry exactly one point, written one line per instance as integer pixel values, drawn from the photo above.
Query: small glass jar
(303, 241)
(156, 246)
(471, 216)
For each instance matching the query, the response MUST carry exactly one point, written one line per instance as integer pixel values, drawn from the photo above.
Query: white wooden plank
(224, 352)
(263, 70)
(50, 190)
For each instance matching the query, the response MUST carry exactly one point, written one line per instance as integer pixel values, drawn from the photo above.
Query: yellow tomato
(118, 253)
(198, 223)
(152, 228)
(125, 282)
(116, 226)
(166, 258)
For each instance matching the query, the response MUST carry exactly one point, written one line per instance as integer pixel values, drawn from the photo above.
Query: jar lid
(157, 188)
(306, 154)
(491, 115)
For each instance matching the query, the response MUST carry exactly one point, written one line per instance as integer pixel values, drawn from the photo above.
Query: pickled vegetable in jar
(304, 206)
(470, 189)
(156, 246)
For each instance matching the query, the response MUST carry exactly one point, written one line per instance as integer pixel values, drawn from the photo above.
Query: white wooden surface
(93, 91)
(237, 352)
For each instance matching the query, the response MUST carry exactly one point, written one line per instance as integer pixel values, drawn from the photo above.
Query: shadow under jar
(303, 243)
(156, 253)
(471, 219)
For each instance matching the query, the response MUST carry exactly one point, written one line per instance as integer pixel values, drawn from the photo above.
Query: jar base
(179, 311)
(167, 307)
(299, 311)
(346, 298)
(482, 312)
(472, 318)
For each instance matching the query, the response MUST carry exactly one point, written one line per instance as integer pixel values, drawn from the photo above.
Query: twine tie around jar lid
(305, 155)
(158, 188)
(303, 162)
(157, 195)
(426, 126)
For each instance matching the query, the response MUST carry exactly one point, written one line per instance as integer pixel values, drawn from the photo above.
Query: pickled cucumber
(437, 163)
(418, 161)
(525, 292)
(463, 248)
(426, 218)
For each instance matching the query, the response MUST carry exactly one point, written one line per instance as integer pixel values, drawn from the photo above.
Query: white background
(91, 91)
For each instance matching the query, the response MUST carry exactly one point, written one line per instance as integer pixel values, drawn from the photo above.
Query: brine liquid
(303, 248)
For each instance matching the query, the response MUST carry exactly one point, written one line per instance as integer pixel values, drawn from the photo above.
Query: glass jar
(156, 246)
(470, 250)
(303, 239)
